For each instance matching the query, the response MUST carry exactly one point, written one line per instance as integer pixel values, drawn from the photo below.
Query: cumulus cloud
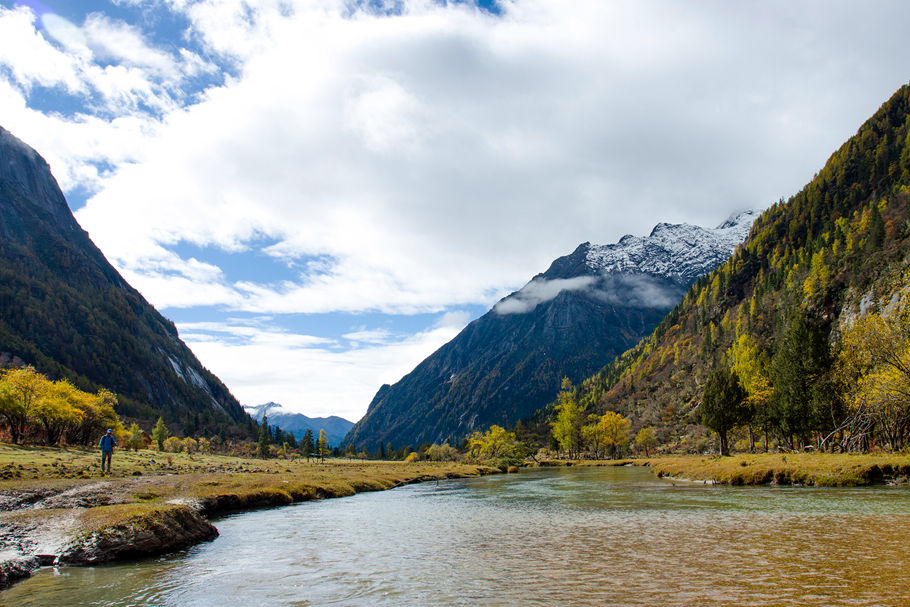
(442, 154)
(107, 86)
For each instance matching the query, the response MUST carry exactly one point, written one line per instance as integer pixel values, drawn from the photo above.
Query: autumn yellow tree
(56, 409)
(20, 389)
(136, 440)
(53, 410)
(442, 453)
(645, 440)
(874, 366)
(96, 414)
(568, 429)
(497, 445)
(610, 432)
(751, 367)
(322, 445)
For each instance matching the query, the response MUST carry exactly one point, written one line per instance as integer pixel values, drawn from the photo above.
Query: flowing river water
(570, 536)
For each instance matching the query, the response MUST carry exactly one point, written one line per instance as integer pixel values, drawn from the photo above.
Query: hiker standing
(107, 449)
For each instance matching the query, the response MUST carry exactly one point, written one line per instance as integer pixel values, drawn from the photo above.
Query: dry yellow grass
(147, 484)
(819, 469)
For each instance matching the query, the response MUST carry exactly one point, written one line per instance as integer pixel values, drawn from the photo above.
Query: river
(573, 536)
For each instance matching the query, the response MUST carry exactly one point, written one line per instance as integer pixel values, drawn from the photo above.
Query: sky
(320, 193)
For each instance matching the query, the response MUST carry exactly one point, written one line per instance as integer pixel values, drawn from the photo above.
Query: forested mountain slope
(774, 313)
(65, 310)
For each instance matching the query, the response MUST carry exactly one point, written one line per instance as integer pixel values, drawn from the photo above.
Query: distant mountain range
(569, 321)
(335, 427)
(66, 310)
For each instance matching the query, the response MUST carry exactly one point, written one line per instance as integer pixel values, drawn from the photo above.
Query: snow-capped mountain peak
(258, 411)
(679, 251)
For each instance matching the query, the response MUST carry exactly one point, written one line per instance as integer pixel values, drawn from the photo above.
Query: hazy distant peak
(270, 408)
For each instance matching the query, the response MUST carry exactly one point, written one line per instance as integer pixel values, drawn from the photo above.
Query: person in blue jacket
(107, 449)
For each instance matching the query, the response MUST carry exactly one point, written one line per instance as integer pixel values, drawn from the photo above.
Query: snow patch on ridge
(679, 251)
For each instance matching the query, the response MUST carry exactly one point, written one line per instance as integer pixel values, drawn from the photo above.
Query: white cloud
(440, 156)
(370, 336)
(29, 57)
(539, 291)
(119, 84)
(304, 375)
(125, 45)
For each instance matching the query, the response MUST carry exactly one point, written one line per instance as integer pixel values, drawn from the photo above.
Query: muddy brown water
(576, 536)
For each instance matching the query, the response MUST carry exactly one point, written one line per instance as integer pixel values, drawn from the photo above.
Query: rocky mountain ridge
(683, 251)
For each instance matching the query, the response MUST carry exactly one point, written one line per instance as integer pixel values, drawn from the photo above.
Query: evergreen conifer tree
(723, 405)
(262, 448)
(307, 444)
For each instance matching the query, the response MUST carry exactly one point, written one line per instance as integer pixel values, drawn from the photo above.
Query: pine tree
(799, 370)
(262, 448)
(723, 406)
(307, 445)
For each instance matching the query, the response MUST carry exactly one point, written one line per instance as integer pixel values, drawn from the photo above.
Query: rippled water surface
(576, 536)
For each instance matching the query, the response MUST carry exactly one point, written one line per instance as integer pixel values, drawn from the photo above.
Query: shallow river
(576, 536)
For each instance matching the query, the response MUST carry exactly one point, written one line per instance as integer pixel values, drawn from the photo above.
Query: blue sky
(320, 193)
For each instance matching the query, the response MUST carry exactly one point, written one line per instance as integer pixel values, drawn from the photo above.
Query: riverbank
(55, 507)
(810, 469)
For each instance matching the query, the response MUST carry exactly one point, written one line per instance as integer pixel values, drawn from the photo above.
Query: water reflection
(589, 536)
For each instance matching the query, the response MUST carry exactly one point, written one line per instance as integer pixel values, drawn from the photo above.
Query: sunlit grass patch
(817, 469)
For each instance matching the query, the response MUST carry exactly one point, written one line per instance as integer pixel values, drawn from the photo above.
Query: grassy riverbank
(817, 469)
(55, 501)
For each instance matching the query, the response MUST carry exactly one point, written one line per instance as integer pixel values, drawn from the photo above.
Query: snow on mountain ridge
(270, 408)
(679, 251)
